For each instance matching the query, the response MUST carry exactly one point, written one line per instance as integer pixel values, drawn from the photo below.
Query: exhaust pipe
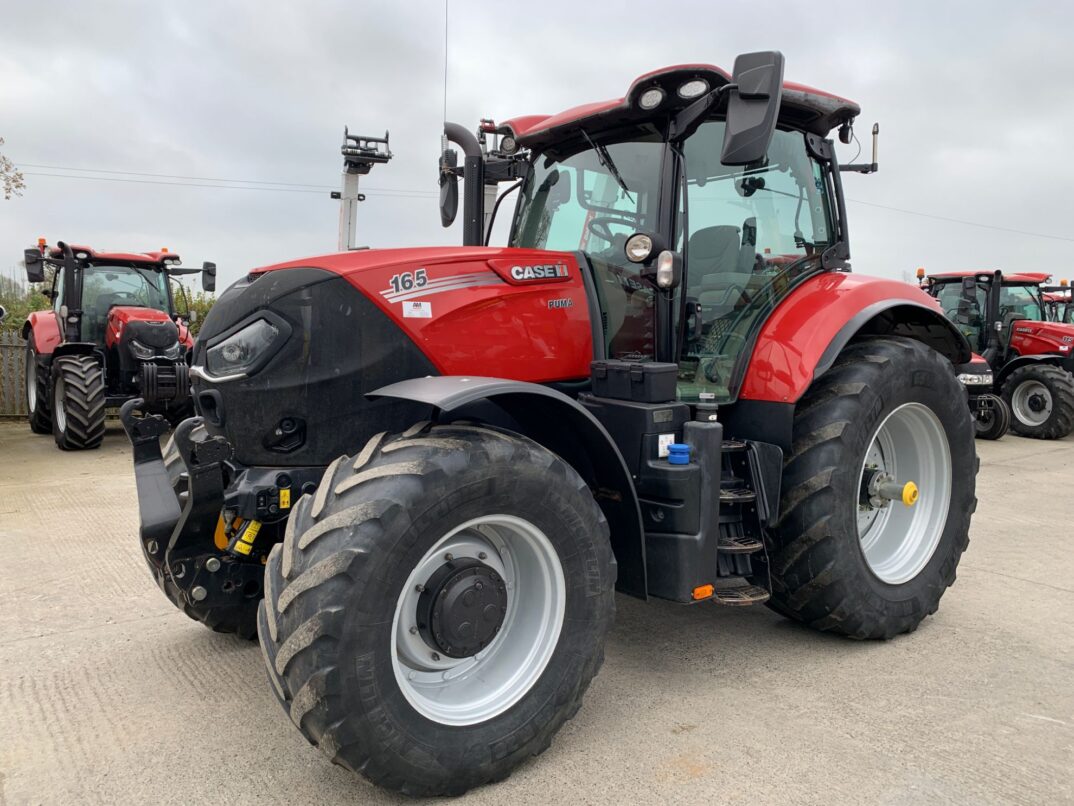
(473, 172)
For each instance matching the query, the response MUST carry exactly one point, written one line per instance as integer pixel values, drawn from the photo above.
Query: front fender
(807, 331)
(564, 427)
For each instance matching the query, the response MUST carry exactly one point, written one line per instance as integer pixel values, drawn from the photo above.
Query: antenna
(360, 154)
(446, 4)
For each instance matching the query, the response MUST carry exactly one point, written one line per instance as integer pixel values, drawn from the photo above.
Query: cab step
(733, 446)
(738, 495)
(739, 544)
(737, 592)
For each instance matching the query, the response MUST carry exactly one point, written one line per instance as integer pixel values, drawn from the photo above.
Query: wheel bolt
(419, 588)
(449, 556)
(413, 630)
(199, 593)
(482, 555)
(436, 656)
(152, 547)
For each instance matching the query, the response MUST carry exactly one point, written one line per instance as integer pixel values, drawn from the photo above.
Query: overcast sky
(974, 101)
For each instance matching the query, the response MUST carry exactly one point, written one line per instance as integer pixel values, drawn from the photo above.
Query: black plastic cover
(639, 381)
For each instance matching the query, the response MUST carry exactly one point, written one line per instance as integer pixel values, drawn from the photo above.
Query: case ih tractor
(112, 335)
(1005, 317)
(423, 472)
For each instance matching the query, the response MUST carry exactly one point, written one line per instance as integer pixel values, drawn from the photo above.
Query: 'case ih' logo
(546, 271)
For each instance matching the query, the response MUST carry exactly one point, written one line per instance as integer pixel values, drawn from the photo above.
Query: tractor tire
(78, 397)
(37, 392)
(239, 619)
(1041, 399)
(844, 557)
(995, 422)
(370, 604)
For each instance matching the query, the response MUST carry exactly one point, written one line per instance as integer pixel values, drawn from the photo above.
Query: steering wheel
(601, 227)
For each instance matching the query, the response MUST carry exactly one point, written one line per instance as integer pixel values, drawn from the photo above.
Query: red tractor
(418, 475)
(1005, 317)
(113, 334)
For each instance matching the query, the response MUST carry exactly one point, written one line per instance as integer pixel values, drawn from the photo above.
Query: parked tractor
(1005, 318)
(991, 414)
(113, 334)
(418, 475)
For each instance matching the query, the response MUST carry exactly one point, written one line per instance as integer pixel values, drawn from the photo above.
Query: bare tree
(12, 179)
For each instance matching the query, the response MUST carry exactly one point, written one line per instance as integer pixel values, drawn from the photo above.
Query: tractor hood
(1030, 337)
(122, 316)
(347, 324)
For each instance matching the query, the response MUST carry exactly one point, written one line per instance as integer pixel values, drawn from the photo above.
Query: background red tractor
(424, 471)
(112, 334)
(1005, 318)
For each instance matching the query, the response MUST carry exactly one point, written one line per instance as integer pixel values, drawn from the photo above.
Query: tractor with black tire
(113, 334)
(1006, 318)
(991, 414)
(419, 475)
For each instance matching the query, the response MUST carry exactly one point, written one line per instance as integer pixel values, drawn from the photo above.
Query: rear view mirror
(968, 309)
(449, 188)
(753, 107)
(35, 265)
(208, 276)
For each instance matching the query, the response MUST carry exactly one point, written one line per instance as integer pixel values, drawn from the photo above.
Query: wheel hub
(1036, 403)
(462, 607)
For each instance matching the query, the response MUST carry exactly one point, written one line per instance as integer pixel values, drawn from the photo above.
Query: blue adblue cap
(678, 453)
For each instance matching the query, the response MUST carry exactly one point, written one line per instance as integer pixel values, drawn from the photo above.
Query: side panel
(791, 348)
(45, 326)
(517, 314)
(1036, 338)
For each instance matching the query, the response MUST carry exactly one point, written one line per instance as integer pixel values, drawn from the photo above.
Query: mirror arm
(686, 121)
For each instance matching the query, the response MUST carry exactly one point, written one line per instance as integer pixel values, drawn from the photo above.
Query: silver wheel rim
(466, 691)
(1022, 402)
(898, 540)
(59, 413)
(31, 383)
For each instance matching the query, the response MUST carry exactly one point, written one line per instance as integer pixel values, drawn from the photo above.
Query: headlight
(141, 351)
(173, 352)
(976, 378)
(693, 89)
(650, 99)
(240, 352)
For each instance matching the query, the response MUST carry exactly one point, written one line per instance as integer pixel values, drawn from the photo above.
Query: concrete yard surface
(110, 695)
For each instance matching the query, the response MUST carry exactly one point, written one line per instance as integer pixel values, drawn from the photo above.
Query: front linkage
(179, 528)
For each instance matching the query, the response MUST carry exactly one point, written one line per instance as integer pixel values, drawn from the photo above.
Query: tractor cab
(1011, 321)
(116, 325)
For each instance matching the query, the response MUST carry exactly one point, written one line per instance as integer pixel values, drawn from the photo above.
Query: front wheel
(1041, 399)
(37, 391)
(438, 608)
(877, 492)
(78, 398)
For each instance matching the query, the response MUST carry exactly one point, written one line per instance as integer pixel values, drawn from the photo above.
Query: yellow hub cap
(909, 494)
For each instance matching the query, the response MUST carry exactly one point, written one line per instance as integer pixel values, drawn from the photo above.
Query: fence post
(12, 375)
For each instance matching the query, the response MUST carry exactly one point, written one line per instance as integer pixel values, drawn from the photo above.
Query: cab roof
(803, 107)
(84, 252)
(1021, 277)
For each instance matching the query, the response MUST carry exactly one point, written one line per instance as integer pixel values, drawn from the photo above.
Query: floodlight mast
(360, 154)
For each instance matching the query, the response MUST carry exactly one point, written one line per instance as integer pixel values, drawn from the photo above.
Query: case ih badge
(548, 271)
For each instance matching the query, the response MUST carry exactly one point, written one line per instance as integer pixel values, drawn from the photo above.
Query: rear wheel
(437, 610)
(78, 398)
(877, 492)
(1041, 399)
(994, 421)
(37, 392)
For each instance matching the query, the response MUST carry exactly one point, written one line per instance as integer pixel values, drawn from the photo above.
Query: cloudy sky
(974, 101)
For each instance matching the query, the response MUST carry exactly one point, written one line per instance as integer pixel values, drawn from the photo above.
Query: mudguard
(560, 424)
(1063, 361)
(806, 332)
(44, 328)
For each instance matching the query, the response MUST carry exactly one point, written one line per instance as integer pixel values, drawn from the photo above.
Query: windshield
(104, 287)
(1020, 300)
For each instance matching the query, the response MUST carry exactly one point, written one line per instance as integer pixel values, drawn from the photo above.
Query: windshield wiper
(605, 159)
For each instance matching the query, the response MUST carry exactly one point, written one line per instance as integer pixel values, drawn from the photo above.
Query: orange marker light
(920, 272)
(703, 592)
(41, 242)
(1064, 282)
(164, 250)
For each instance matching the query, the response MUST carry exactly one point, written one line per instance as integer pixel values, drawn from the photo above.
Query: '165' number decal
(406, 281)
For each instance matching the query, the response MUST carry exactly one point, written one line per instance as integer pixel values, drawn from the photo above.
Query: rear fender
(561, 425)
(805, 334)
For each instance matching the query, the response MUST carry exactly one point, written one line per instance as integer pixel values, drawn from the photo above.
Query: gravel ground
(109, 695)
